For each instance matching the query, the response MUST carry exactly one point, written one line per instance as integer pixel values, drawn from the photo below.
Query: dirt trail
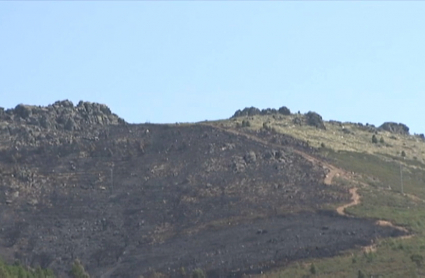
(355, 200)
(333, 172)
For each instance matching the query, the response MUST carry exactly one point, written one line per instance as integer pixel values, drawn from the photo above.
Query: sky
(178, 61)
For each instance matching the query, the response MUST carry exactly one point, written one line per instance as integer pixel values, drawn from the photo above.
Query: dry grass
(336, 137)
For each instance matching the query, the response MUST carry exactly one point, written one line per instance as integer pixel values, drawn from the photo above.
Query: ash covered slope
(129, 199)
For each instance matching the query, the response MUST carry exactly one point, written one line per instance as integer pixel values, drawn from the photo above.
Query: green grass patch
(19, 271)
(380, 199)
(381, 173)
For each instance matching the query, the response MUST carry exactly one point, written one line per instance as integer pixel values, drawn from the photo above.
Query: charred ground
(132, 199)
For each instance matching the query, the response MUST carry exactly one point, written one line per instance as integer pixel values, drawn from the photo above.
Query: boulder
(396, 128)
(268, 111)
(23, 111)
(64, 103)
(70, 124)
(250, 157)
(284, 110)
(314, 119)
(248, 111)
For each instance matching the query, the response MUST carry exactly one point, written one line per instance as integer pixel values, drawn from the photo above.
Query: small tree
(374, 139)
(403, 154)
(381, 140)
(360, 274)
(78, 270)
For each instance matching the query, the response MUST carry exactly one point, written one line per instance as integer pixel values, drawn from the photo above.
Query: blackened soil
(253, 247)
(132, 199)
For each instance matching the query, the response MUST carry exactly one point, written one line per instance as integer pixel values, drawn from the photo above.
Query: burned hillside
(131, 199)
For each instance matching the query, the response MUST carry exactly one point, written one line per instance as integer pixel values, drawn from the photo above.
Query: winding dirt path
(355, 200)
(333, 172)
(336, 172)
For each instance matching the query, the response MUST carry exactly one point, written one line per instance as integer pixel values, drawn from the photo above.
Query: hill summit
(61, 115)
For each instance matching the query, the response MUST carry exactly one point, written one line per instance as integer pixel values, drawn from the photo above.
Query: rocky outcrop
(397, 128)
(268, 111)
(252, 111)
(315, 119)
(248, 111)
(62, 115)
(30, 125)
(284, 110)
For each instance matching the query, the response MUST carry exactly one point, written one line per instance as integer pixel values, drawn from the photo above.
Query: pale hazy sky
(190, 61)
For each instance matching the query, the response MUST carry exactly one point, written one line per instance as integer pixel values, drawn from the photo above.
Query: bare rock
(250, 157)
(248, 111)
(397, 128)
(23, 111)
(314, 119)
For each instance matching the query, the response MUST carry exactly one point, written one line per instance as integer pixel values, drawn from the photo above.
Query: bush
(198, 273)
(403, 154)
(374, 139)
(360, 274)
(78, 270)
(17, 271)
(381, 140)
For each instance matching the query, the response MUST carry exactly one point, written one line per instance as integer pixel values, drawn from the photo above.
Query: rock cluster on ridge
(252, 111)
(62, 115)
(397, 128)
(31, 125)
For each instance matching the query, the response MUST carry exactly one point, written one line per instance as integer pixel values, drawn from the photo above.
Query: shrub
(78, 270)
(17, 271)
(374, 139)
(381, 140)
(360, 274)
(198, 273)
(403, 154)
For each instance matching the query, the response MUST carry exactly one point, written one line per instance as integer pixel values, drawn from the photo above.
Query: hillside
(257, 193)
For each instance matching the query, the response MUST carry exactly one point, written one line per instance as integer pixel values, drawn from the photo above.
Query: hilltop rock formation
(397, 128)
(62, 115)
(54, 124)
(248, 111)
(252, 111)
